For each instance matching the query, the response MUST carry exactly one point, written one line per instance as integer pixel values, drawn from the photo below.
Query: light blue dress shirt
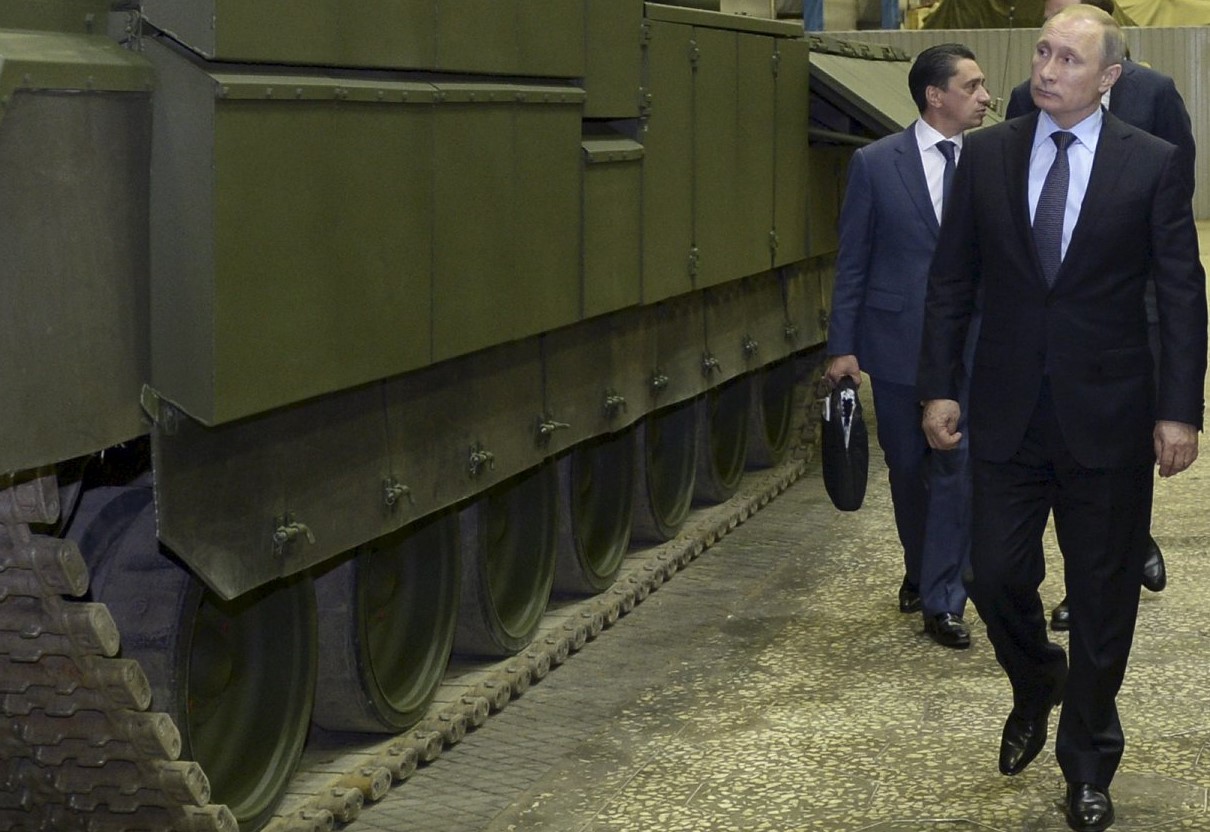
(1079, 157)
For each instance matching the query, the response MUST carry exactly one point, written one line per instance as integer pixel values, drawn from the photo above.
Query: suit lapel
(1112, 157)
(1019, 139)
(911, 173)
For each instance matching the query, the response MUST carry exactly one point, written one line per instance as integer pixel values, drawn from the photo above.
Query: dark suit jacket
(887, 234)
(1143, 97)
(1089, 331)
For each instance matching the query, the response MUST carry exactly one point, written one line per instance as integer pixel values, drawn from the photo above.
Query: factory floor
(774, 685)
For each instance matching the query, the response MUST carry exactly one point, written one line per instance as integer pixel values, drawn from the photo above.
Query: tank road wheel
(508, 564)
(237, 677)
(387, 616)
(596, 487)
(723, 421)
(772, 415)
(251, 666)
(667, 459)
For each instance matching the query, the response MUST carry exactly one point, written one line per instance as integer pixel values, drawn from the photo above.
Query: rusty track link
(79, 749)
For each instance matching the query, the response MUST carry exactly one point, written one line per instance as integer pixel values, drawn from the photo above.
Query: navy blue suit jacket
(888, 231)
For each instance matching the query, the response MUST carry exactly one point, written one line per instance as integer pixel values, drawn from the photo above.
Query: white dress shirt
(933, 160)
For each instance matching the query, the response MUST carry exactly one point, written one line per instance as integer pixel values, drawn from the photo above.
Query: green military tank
(337, 337)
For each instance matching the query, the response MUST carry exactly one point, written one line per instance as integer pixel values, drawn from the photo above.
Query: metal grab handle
(549, 426)
(480, 458)
(394, 491)
(289, 532)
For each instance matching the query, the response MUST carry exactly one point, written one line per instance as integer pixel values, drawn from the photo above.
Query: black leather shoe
(909, 597)
(948, 630)
(1060, 616)
(1023, 737)
(1088, 808)
(1021, 741)
(1155, 576)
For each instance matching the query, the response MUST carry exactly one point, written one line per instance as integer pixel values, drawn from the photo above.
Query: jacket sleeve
(1172, 124)
(853, 259)
(1180, 286)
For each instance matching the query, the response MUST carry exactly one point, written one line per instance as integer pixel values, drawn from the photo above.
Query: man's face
(1068, 80)
(962, 103)
(1053, 7)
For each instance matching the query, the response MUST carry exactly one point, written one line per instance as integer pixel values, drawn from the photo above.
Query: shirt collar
(927, 136)
(1086, 131)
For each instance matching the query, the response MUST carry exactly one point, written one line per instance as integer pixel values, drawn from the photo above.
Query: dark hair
(933, 68)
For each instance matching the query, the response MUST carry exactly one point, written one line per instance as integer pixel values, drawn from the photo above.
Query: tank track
(80, 751)
(78, 748)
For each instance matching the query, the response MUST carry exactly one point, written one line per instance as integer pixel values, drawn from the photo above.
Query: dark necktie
(1052, 205)
(947, 149)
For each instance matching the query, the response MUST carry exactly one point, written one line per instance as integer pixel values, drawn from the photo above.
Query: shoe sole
(1100, 827)
(964, 644)
(953, 645)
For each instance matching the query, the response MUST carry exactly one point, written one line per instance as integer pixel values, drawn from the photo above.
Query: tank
(337, 338)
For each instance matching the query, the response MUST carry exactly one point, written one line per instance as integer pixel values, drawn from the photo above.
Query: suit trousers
(1100, 518)
(931, 495)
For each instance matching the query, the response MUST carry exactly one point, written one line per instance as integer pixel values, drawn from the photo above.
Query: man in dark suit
(888, 230)
(1057, 219)
(1147, 99)
(1150, 101)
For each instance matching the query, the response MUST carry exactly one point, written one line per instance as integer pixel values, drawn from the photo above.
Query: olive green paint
(756, 131)
(668, 162)
(322, 245)
(612, 192)
(728, 22)
(73, 320)
(792, 181)
(715, 152)
(613, 59)
(504, 37)
(506, 213)
(68, 16)
(53, 61)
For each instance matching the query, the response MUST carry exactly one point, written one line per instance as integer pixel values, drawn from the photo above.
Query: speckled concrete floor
(774, 685)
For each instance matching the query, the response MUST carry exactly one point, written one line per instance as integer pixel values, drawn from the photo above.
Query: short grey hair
(1113, 41)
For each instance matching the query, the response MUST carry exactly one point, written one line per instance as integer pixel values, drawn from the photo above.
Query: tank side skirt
(309, 482)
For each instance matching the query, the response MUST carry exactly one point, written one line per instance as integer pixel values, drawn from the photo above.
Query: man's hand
(940, 424)
(839, 367)
(1175, 446)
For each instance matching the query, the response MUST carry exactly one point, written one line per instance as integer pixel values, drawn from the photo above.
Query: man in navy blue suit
(1149, 101)
(888, 230)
